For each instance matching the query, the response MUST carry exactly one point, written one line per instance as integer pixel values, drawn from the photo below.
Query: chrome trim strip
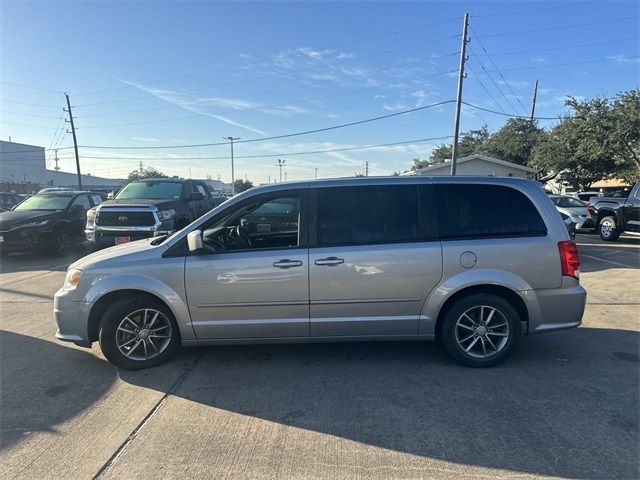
(152, 228)
(267, 321)
(381, 318)
(366, 300)
(250, 304)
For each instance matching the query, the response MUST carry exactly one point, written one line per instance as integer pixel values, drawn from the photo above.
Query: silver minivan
(475, 262)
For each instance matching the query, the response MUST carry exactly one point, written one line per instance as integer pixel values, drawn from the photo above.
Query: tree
(473, 141)
(148, 172)
(515, 141)
(240, 185)
(599, 140)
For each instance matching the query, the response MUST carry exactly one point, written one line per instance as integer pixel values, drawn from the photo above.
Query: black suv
(147, 208)
(50, 222)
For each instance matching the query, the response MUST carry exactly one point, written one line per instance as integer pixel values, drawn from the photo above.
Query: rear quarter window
(481, 211)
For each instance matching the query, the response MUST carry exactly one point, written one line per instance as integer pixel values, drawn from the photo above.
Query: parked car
(147, 208)
(571, 226)
(584, 196)
(617, 213)
(51, 222)
(56, 189)
(474, 261)
(574, 208)
(9, 200)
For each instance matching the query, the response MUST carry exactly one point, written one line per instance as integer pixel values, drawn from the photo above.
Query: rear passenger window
(371, 214)
(472, 211)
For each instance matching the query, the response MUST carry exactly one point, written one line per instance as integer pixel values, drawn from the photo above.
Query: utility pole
(461, 75)
(316, 172)
(57, 168)
(75, 141)
(281, 164)
(366, 169)
(533, 102)
(285, 176)
(233, 175)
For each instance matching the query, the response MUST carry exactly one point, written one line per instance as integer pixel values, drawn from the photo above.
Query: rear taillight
(569, 259)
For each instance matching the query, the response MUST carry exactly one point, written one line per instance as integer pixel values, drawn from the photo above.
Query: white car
(576, 209)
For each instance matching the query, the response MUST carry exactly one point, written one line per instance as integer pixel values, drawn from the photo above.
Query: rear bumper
(557, 308)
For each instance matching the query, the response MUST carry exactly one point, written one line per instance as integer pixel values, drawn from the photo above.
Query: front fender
(105, 284)
(469, 278)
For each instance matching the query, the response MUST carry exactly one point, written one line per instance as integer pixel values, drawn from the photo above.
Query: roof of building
(497, 161)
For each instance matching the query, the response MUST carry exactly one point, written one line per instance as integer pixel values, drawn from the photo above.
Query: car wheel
(61, 242)
(140, 332)
(608, 229)
(481, 330)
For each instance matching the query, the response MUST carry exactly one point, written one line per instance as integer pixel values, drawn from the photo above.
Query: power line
(561, 27)
(275, 137)
(250, 64)
(31, 104)
(27, 114)
(262, 77)
(25, 125)
(523, 12)
(512, 115)
(30, 87)
(496, 67)
(262, 107)
(550, 65)
(288, 154)
(486, 89)
(564, 47)
(492, 79)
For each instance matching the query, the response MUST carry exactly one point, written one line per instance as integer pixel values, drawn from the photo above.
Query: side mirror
(197, 196)
(194, 241)
(78, 208)
(110, 195)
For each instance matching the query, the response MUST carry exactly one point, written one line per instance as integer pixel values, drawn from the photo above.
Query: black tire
(109, 334)
(608, 229)
(449, 332)
(61, 242)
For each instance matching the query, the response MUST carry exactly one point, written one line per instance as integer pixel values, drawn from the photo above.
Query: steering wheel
(242, 237)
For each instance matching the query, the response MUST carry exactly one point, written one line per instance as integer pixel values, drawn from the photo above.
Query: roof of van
(390, 180)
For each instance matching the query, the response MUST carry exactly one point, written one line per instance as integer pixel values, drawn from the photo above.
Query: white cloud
(539, 59)
(145, 139)
(623, 59)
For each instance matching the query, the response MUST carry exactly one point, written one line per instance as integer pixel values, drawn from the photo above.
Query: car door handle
(286, 263)
(329, 261)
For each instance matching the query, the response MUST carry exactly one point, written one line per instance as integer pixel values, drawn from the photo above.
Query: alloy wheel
(482, 331)
(143, 334)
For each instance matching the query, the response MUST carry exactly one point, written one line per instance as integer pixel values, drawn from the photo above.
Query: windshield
(568, 202)
(152, 190)
(45, 202)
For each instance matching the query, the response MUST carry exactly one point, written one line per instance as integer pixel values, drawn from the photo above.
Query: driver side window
(263, 224)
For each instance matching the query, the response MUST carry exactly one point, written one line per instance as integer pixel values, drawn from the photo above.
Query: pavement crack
(132, 436)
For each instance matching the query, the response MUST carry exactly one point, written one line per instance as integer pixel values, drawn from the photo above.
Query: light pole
(316, 173)
(233, 178)
(281, 164)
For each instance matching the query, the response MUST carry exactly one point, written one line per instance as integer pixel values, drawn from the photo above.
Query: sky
(156, 74)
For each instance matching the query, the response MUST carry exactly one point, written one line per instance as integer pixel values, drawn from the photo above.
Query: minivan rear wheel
(137, 333)
(481, 330)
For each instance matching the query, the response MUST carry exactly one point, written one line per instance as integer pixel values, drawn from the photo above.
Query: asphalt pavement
(566, 405)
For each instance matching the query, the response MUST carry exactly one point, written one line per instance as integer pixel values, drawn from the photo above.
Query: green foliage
(242, 185)
(148, 172)
(515, 141)
(598, 140)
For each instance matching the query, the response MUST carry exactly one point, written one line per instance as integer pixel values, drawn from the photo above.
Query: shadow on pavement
(565, 405)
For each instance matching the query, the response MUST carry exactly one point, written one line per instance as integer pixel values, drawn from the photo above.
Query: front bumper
(107, 238)
(24, 239)
(72, 318)
(556, 308)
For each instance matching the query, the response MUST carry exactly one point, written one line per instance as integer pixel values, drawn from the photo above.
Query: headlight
(91, 220)
(41, 223)
(72, 279)
(166, 214)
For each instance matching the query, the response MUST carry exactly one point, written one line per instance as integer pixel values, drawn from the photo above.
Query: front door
(373, 260)
(252, 281)
(631, 210)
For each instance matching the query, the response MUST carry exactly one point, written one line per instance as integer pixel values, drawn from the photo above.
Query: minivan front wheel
(138, 333)
(481, 330)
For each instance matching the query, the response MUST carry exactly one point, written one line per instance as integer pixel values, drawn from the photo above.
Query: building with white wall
(22, 163)
(478, 165)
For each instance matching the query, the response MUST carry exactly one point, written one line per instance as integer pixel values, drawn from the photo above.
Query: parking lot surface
(565, 405)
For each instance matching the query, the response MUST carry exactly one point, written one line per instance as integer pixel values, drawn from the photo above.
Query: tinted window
(45, 202)
(485, 211)
(568, 202)
(82, 200)
(151, 189)
(371, 214)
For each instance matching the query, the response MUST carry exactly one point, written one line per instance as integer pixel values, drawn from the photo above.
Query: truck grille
(123, 219)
